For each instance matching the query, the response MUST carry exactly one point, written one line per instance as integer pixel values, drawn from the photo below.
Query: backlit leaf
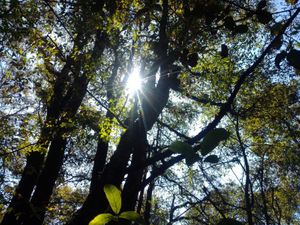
(181, 147)
(132, 216)
(191, 159)
(212, 159)
(212, 140)
(113, 195)
(102, 219)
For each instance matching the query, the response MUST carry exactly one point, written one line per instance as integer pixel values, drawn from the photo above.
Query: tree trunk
(46, 181)
(153, 102)
(134, 178)
(19, 207)
(49, 174)
(19, 203)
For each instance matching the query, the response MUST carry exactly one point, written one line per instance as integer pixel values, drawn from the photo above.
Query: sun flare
(134, 82)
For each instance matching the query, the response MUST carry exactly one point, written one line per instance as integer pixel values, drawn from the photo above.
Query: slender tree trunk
(263, 194)
(248, 198)
(148, 204)
(102, 145)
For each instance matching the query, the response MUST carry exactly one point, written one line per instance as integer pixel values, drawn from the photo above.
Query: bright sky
(134, 82)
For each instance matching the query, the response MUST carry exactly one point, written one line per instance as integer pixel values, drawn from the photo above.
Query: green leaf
(102, 219)
(191, 159)
(181, 147)
(212, 159)
(212, 140)
(113, 195)
(229, 221)
(132, 216)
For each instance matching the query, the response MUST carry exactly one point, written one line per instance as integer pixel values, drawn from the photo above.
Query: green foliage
(103, 219)
(209, 143)
(181, 147)
(192, 158)
(212, 159)
(132, 216)
(113, 195)
(46, 46)
(212, 140)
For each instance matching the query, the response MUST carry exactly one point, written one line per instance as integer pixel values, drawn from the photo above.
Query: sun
(134, 82)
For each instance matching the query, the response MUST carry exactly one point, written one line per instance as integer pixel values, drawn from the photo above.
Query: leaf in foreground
(113, 195)
(102, 219)
(132, 216)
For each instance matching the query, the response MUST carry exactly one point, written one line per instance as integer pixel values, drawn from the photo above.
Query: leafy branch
(113, 195)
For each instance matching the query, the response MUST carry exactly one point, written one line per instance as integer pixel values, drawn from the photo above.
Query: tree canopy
(149, 112)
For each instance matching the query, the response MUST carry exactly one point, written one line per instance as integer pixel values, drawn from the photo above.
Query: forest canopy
(149, 112)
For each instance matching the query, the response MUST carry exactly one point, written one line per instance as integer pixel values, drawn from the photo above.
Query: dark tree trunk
(99, 163)
(148, 203)
(134, 178)
(113, 173)
(248, 185)
(46, 181)
(115, 170)
(17, 208)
